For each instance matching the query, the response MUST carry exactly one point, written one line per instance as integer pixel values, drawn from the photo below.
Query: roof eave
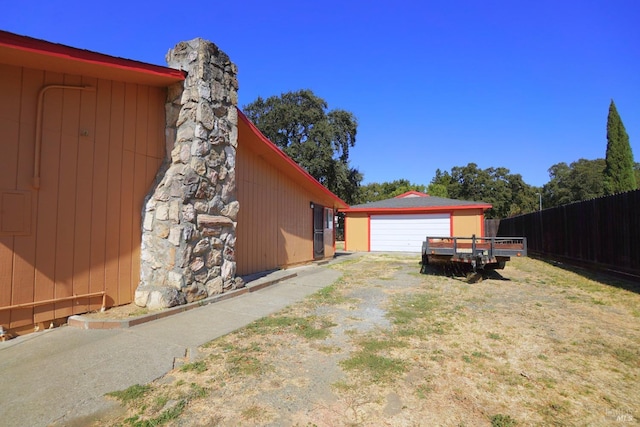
(416, 209)
(34, 53)
(286, 162)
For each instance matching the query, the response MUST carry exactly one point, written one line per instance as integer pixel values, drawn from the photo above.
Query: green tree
(581, 180)
(386, 190)
(508, 193)
(619, 174)
(437, 190)
(316, 138)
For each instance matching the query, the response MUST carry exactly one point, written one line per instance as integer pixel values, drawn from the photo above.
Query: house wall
(81, 230)
(468, 222)
(357, 232)
(275, 223)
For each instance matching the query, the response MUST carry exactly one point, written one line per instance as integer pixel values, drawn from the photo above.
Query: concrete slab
(60, 376)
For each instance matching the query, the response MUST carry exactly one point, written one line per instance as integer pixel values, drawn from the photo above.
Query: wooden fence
(602, 233)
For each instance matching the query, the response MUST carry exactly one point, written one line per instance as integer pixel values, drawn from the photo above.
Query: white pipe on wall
(35, 181)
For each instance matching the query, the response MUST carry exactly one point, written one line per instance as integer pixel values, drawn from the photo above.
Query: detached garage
(400, 224)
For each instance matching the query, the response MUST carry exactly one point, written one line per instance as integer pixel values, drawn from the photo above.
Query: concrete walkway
(60, 376)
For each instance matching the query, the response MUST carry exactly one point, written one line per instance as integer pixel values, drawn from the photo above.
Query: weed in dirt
(159, 402)
(331, 295)
(169, 414)
(343, 386)
(253, 413)
(197, 367)
(245, 364)
(408, 308)
(423, 390)
(554, 412)
(627, 356)
(134, 392)
(310, 327)
(197, 391)
(328, 349)
(380, 368)
(411, 331)
(374, 345)
(500, 420)
(437, 356)
(494, 336)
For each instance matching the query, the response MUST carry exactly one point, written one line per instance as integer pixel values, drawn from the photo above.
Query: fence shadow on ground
(609, 278)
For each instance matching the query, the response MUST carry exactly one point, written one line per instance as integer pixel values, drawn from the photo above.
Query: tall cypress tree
(619, 175)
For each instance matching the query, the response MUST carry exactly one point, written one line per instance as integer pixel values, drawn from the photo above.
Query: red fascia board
(414, 210)
(290, 164)
(15, 49)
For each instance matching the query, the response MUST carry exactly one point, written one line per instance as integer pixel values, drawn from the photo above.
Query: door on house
(318, 231)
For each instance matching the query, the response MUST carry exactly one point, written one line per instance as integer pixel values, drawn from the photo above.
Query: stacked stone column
(189, 218)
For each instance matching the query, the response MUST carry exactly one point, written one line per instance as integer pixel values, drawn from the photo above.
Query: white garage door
(405, 233)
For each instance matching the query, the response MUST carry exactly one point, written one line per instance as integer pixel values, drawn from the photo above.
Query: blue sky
(434, 84)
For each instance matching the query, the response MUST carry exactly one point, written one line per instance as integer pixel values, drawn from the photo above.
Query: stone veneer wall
(189, 218)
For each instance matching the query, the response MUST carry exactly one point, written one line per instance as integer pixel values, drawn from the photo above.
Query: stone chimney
(189, 218)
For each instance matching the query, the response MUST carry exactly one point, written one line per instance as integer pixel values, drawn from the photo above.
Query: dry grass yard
(536, 344)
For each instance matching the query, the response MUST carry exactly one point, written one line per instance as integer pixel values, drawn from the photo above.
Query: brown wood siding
(275, 222)
(100, 152)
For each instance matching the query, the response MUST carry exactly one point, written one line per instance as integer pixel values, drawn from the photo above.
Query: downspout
(35, 181)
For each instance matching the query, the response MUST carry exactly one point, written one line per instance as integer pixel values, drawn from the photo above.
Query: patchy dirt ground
(535, 344)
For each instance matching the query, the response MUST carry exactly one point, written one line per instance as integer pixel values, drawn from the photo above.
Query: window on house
(328, 215)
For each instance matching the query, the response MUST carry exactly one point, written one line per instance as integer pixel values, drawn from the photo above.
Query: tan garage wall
(468, 222)
(356, 232)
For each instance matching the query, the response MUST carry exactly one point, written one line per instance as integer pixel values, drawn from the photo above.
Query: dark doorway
(318, 231)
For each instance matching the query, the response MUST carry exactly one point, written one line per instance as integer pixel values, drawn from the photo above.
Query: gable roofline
(416, 205)
(39, 54)
(416, 210)
(288, 166)
(411, 193)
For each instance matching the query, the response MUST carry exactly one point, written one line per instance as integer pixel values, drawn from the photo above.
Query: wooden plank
(99, 191)
(114, 185)
(6, 273)
(142, 116)
(83, 196)
(10, 87)
(141, 186)
(67, 178)
(126, 227)
(142, 183)
(47, 215)
(156, 122)
(25, 246)
(127, 192)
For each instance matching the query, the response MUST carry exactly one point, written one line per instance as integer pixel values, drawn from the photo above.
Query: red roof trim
(272, 147)
(42, 47)
(415, 210)
(411, 193)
